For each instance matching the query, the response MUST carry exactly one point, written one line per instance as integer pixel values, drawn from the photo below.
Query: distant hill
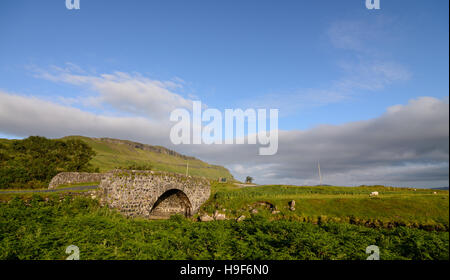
(115, 153)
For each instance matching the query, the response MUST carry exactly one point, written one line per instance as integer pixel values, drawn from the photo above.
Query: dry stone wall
(65, 178)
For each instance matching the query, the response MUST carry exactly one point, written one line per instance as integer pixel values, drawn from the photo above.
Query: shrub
(34, 161)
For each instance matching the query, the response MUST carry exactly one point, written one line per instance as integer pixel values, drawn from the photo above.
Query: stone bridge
(149, 194)
(153, 194)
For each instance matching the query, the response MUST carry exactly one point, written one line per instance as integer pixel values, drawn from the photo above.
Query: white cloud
(132, 93)
(371, 76)
(24, 116)
(360, 36)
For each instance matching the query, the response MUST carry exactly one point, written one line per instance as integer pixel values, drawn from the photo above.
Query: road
(77, 188)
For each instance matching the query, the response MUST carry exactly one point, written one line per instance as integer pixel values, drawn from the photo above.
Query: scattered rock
(292, 205)
(205, 218)
(254, 211)
(276, 212)
(220, 217)
(264, 204)
(240, 219)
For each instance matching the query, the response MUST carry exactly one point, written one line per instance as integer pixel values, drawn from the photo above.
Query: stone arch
(172, 201)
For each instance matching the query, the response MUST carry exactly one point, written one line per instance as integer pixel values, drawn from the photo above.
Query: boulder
(240, 219)
(292, 205)
(205, 218)
(219, 216)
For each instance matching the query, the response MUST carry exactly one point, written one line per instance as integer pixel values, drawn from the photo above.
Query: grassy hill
(114, 153)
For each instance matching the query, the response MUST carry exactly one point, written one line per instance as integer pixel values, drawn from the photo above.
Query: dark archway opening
(169, 203)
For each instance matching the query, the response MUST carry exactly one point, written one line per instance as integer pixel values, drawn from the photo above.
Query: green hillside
(114, 153)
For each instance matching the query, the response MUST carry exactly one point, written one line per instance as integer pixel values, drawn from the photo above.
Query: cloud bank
(406, 146)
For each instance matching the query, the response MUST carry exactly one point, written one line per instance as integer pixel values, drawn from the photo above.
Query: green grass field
(393, 206)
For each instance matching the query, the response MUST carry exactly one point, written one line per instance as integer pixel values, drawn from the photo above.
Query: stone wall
(153, 194)
(64, 178)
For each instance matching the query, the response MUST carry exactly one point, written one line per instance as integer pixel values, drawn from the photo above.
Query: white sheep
(374, 194)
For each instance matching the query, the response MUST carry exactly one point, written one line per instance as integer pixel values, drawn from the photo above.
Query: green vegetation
(393, 207)
(248, 179)
(42, 229)
(136, 166)
(32, 162)
(77, 185)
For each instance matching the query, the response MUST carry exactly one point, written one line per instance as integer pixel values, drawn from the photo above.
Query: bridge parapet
(67, 178)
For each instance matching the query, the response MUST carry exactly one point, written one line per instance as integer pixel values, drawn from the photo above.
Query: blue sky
(229, 52)
(319, 62)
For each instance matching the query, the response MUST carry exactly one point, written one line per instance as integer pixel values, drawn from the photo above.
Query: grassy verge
(58, 187)
(27, 196)
(77, 185)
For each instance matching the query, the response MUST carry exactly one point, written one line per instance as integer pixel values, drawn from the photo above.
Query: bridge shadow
(169, 203)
